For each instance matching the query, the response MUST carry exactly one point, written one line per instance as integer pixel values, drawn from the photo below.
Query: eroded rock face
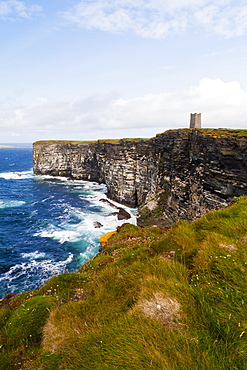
(73, 160)
(129, 169)
(197, 173)
(177, 174)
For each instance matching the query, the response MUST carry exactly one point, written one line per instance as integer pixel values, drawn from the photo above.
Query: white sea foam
(26, 270)
(84, 186)
(85, 229)
(51, 178)
(33, 255)
(59, 234)
(16, 175)
(49, 198)
(109, 217)
(11, 203)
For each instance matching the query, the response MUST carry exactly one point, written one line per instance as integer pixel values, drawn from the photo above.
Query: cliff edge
(179, 174)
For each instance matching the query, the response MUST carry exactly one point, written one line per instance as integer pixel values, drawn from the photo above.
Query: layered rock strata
(129, 168)
(177, 174)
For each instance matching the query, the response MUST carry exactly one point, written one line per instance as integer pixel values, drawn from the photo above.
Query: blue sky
(98, 69)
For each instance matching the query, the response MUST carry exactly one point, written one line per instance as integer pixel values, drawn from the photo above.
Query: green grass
(110, 141)
(223, 132)
(24, 325)
(218, 132)
(152, 299)
(205, 131)
(65, 142)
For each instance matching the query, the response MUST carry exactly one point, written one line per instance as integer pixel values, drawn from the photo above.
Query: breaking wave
(28, 275)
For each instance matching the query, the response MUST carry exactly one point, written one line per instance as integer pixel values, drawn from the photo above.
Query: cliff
(178, 174)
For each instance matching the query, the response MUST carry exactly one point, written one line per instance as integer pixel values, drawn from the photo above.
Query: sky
(97, 69)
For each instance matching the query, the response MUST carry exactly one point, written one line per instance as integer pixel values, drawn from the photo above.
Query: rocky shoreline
(179, 174)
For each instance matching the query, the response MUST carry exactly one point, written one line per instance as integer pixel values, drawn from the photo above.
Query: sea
(47, 224)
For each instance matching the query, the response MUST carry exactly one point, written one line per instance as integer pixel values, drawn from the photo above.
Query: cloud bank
(14, 9)
(222, 104)
(160, 18)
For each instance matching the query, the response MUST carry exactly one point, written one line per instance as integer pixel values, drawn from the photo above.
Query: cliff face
(177, 174)
(198, 172)
(129, 169)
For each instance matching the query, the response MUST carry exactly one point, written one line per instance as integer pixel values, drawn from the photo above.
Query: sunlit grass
(109, 141)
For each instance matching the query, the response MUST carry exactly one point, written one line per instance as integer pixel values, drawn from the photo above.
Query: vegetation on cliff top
(223, 132)
(204, 131)
(110, 141)
(151, 299)
(216, 132)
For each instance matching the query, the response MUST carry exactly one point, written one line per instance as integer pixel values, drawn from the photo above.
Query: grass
(110, 141)
(218, 132)
(223, 132)
(205, 131)
(65, 142)
(151, 299)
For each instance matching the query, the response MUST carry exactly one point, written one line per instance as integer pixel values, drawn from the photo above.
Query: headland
(179, 174)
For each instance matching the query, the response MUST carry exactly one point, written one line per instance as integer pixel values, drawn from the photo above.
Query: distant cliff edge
(179, 174)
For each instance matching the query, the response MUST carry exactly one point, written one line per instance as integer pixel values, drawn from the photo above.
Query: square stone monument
(195, 120)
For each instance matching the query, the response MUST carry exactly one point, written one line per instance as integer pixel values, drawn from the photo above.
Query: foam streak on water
(47, 224)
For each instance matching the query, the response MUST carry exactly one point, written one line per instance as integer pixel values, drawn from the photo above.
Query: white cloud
(160, 18)
(12, 9)
(222, 104)
(145, 18)
(228, 22)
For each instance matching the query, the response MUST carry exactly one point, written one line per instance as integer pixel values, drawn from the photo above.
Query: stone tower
(195, 120)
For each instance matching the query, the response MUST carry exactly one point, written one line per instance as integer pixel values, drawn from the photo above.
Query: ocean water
(47, 224)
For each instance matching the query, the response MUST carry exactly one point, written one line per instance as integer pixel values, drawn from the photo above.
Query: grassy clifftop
(206, 131)
(110, 141)
(152, 299)
(217, 132)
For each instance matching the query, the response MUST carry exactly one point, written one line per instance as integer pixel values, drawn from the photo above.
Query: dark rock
(123, 214)
(113, 214)
(106, 201)
(97, 225)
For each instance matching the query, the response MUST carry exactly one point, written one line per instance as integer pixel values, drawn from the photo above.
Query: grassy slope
(152, 299)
